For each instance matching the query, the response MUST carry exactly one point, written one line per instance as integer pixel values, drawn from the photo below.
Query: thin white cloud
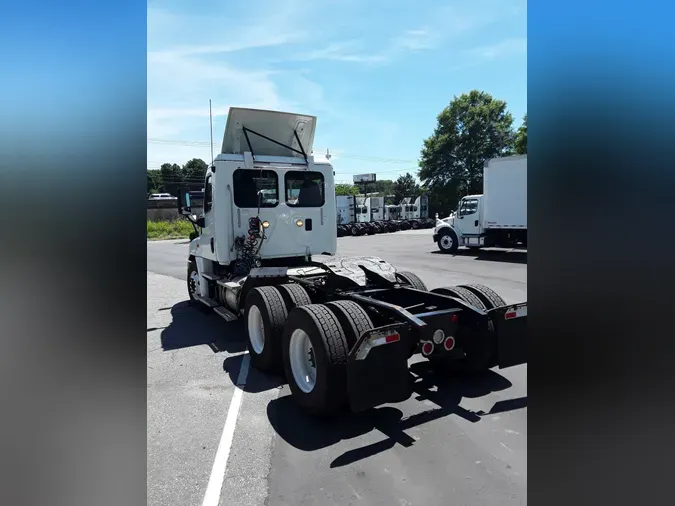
(194, 58)
(347, 50)
(415, 40)
(269, 23)
(188, 63)
(445, 23)
(501, 49)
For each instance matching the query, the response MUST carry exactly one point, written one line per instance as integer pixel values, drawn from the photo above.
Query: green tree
(172, 177)
(194, 172)
(154, 181)
(473, 128)
(346, 189)
(376, 188)
(443, 199)
(521, 138)
(405, 186)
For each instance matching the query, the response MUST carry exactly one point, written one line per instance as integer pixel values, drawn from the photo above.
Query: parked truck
(341, 329)
(359, 215)
(496, 218)
(416, 212)
(351, 215)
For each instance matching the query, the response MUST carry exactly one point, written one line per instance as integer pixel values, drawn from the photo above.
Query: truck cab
(265, 173)
(392, 212)
(463, 227)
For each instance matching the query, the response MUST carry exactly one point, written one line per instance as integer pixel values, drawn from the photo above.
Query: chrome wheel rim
(194, 284)
(256, 329)
(303, 361)
(446, 242)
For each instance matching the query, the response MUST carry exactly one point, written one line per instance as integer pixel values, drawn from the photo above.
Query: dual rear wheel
(308, 342)
(481, 349)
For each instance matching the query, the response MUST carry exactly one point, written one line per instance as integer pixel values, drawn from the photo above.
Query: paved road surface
(454, 442)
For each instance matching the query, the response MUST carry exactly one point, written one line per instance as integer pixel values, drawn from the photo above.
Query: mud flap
(381, 376)
(510, 325)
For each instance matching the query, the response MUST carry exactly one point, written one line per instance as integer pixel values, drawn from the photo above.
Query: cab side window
(469, 206)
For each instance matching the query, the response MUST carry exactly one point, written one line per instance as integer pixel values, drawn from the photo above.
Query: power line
(364, 158)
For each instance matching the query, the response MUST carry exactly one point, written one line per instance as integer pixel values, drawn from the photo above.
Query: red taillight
(510, 315)
(454, 318)
(392, 338)
(427, 348)
(449, 343)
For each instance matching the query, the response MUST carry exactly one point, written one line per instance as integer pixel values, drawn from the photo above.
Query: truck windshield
(247, 183)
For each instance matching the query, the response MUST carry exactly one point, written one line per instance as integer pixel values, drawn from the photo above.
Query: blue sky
(375, 73)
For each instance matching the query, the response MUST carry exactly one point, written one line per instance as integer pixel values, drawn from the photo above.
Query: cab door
(468, 217)
(207, 247)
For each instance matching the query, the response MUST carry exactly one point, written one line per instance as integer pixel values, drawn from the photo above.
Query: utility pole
(211, 126)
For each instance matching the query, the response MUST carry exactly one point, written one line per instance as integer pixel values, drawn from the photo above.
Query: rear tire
(488, 296)
(412, 279)
(480, 349)
(462, 293)
(353, 319)
(265, 316)
(294, 295)
(322, 388)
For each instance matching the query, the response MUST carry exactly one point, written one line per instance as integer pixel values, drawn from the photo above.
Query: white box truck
(497, 218)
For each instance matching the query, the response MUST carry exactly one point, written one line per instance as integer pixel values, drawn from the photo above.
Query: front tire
(193, 286)
(315, 353)
(447, 241)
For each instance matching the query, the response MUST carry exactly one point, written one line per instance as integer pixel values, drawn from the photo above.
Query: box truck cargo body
(497, 217)
(505, 193)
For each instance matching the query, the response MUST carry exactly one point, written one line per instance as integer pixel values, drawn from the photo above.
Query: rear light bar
(376, 340)
(427, 348)
(516, 313)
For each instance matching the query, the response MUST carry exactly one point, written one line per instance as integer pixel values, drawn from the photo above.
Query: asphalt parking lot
(456, 441)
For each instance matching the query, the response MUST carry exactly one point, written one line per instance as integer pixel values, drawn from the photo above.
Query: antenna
(327, 154)
(211, 126)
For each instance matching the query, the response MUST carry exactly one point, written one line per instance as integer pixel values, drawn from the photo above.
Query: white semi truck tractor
(496, 218)
(341, 330)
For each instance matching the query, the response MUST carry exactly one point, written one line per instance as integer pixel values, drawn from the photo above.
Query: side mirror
(200, 222)
(184, 202)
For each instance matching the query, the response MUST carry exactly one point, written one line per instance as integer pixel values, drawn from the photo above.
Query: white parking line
(215, 486)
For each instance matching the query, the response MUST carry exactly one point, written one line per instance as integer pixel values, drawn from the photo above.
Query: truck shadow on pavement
(190, 327)
(446, 391)
(256, 381)
(508, 256)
